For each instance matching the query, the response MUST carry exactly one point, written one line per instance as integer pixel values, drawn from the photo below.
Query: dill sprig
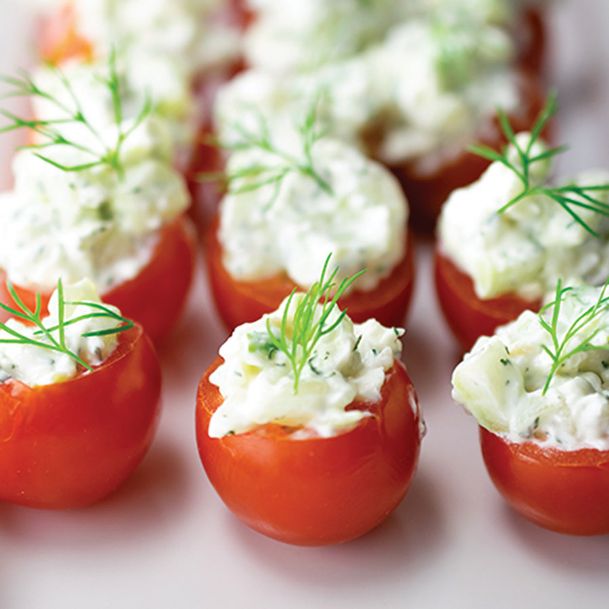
(259, 175)
(54, 338)
(298, 338)
(571, 197)
(52, 131)
(561, 349)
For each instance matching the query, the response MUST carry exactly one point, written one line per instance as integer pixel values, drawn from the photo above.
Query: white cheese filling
(34, 365)
(349, 364)
(292, 227)
(500, 382)
(425, 89)
(528, 247)
(322, 31)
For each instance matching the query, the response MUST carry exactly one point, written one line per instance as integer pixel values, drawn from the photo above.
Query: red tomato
(240, 302)
(565, 491)
(467, 315)
(71, 444)
(154, 298)
(428, 184)
(315, 491)
(531, 38)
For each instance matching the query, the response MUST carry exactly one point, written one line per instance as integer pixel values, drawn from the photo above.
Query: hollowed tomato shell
(156, 296)
(468, 316)
(238, 302)
(564, 491)
(70, 444)
(315, 491)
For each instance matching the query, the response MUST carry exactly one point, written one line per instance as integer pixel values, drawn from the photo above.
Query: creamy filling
(34, 365)
(457, 76)
(500, 382)
(349, 364)
(290, 227)
(527, 248)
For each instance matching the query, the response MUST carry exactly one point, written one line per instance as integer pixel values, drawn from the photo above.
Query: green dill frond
(54, 338)
(561, 347)
(52, 134)
(303, 324)
(572, 198)
(280, 162)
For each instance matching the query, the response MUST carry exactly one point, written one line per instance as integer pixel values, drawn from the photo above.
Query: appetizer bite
(504, 240)
(413, 100)
(177, 51)
(538, 388)
(293, 195)
(308, 425)
(79, 399)
(96, 196)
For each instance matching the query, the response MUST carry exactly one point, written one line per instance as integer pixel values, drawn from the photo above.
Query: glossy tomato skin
(315, 491)
(428, 185)
(71, 444)
(531, 40)
(564, 491)
(154, 298)
(239, 302)
(468, 316)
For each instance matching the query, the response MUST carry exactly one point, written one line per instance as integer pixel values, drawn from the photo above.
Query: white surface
(165, 540)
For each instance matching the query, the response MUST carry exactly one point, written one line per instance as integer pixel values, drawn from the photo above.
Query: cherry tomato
(468, 316)
(428, 184)
(315, 491)
(71, 444)
(565, 491)
(156, 296)
(531, 40)
(240, 302)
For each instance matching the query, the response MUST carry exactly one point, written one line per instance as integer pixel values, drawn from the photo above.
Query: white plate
(165, 540)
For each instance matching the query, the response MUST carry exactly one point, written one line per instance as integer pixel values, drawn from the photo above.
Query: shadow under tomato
(147, 502)
(589, 555)
(400, 547)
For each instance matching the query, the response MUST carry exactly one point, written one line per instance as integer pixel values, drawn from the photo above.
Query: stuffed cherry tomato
(297, 452)
(114, 214)
(278, 213)
(538, 389)
(429, 181)
(239, 302)
(419, 127)
(79, 408)
(503, 241)
(158, 311)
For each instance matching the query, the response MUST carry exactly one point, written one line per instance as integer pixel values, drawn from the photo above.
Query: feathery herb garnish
(570, 197)
(54, 338)
(561, 349)
(303, 324)
(72, 113)
(280, 163)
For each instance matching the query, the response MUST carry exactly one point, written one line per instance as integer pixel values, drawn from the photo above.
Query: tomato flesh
(468, 316)
(565, 491)
(71, 444)
(240, 302)
(315, 491)
(156, 296)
